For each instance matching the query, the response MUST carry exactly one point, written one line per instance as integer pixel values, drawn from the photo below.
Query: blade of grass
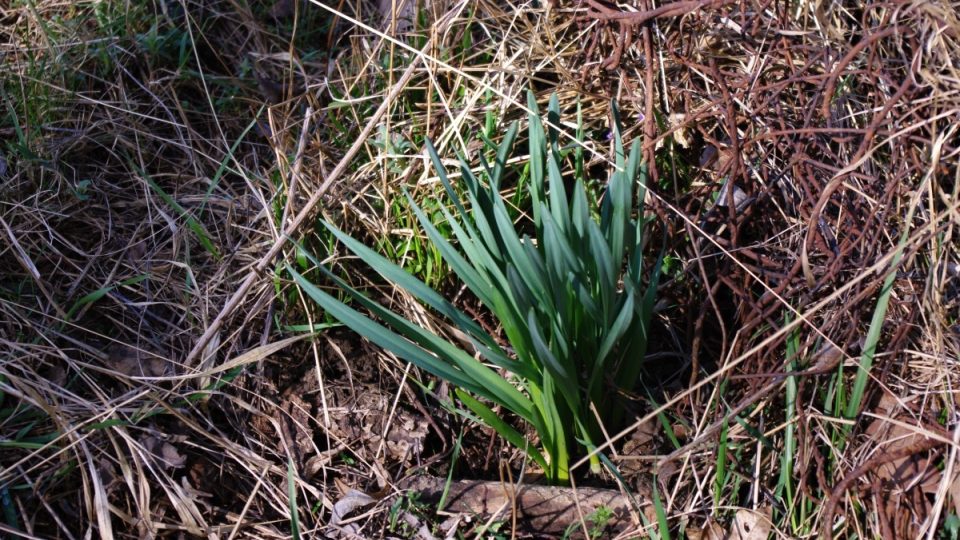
(785, 484)
(195, 226)
(453, 465)
(425, 349)
(215, 181)
(870, 345)
(101, 292)
(501, 427)
(721, 470)
(292, 498)
(876, 326)
(662, 524)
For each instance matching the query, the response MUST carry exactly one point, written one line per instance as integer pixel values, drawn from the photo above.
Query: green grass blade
(553, 120)
(617, 128)
(503, 154)
(560, 258)
(473, 273)
(585, 297)
(537, 149)
(784, 487)
(453, 466)
(377, 333)
(579, 145)
(579, 211)
(504, 429)
(490, 289)
(195, 226)
(616, 331)
(635, 268)
(619, 196)
(870, 344)
(292, 499)
(528, 263)
(662, 522)
(9, 510)
(559, 204)
(419, 289)
(550, 362)
(223, 167)
(556, 431)
(482, 213)
(720, 479)
(101, 292)
(606, 273)
(632, 362)
(442, 173)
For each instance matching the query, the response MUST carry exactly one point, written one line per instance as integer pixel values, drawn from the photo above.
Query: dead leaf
(283, 9)
(171, 456)
(352, 500)
(414, 523)
(955, 493)
(166, 453)
(406, 438)
(906, 482)
(746, 525)
(364, 421)
(750, 525)
(708, 155)
(642, 439)
(905, 471)
(316, 463)
(711, 530)
(57, 375)
(677, 121)
(135, 362)
(740, 198)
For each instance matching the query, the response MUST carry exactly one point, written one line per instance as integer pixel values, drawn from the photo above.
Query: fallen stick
(545, 510)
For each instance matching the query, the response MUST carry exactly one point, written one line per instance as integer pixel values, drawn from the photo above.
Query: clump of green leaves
(571, 301)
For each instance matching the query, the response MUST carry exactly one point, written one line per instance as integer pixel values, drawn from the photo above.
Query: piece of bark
(544, 510)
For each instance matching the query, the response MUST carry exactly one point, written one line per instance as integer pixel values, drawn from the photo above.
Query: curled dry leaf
(364, 421)
(351, 500)
(750, 525)
(166, 453)
(135, 362)
(746, 525)
(642, 442)
(680, 135)
(740, 198)
(906, 482)
(711, 530)
(916, 470)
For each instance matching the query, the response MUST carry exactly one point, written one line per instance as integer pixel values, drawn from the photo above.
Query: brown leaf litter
(903, 472)
(746, 525)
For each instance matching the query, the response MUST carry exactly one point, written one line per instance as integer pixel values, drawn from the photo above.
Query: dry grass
(148, 179)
